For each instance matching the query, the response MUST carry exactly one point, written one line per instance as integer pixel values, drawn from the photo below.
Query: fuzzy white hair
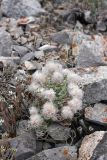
(36, 120)
(48, 94)
(49, 110)
(72, 86)
(57, 77)
(39, 77)
(74, 78)
(51, 67)
(75, 104)
(65, 72)
(67, 113)
(76, 93)
(33, 87)
(33, 111)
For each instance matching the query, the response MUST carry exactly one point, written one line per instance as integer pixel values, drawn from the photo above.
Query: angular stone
(22, 127)
(25, 146)
(101, 26)
(63, 37)
(97, 114)
(5, 43)
(28, 56)
(60, 153)
(94, 82)
(48, 48)
(39, 54)
(90, 52)
(94, 147)
(21, 50)
(95, 92)
(9, 60)
(30, 66)
(87, 50)
(58, 132)
(18, 8)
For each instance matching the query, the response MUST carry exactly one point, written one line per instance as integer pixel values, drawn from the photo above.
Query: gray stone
(94, 84)
(21, 50)
(90, 53)
(87, 16)
(58, 132)
(39, 54)
(95, 92)
(62, 37)
(94, 147)
(39, 145)
(28, 56)
(18, 8)
(12, 61)
(16, 33)
(88, 57)
(48, 48)
(46, 146)
(23, 40)
(25, 146)
(60, 153)
(101, 26)
(97, 114)
(22, 127)
(33, 158)
(87, 50)
(33, 65)
(5, 43)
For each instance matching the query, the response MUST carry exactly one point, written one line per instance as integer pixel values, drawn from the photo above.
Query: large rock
(95, 92)
(94, 147)
(88, 50)
(94, 84)
(60, 153)
(5, 43)
(25, 146)
(62, 37)
(58, 132)
(97, 114)
(18, 8)
(20, 50)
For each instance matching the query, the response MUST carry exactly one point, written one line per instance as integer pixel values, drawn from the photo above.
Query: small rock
(28, 56)
(39, 145)
(22, 127)
(25, 146)
(97, 114)
(46, 146)
(60, 153)
(12, 61)
(96, 150)
(39, 54)
(88, 17)
(21, 50)
(63, 37)
(23, 40)
(19, 8)
(31, 65)
(94, 83)
(58, 132)
(25, 20)
(15, 32)
(5, 43)
(101, 26)
(48, 48)
(90, 53)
